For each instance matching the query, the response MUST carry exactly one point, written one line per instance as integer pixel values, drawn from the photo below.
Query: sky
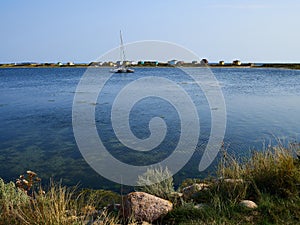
(81, 31)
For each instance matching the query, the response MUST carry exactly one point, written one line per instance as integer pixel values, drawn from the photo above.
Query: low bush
(156, 181)
(11, 200)
(275, 171)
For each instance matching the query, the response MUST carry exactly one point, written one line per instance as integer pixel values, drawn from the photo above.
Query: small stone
(248, 204)
(233, 181)
(200, 206)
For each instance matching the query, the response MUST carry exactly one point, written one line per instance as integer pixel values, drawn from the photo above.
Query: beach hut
(236, 63)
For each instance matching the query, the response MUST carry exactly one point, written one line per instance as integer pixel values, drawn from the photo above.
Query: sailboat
(122, 68)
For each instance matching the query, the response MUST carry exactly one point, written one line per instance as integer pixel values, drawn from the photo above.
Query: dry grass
(59, 205)
(49, 208)
(275, 171)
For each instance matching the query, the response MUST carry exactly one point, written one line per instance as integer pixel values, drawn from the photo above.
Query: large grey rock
(144, 207)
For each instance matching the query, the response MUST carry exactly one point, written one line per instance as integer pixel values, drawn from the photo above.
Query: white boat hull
(122, 70)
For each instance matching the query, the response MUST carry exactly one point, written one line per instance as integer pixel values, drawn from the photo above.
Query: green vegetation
(156, 181)
(271, 179)
(58, 205)
(282, 65)
(11, 198)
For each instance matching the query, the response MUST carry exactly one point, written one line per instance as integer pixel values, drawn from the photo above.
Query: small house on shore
(203, 62)
(108, 63)
(70, 64)
(236, 63)
(96, 64)
(180, 63)
(221, 63)
(172, 62)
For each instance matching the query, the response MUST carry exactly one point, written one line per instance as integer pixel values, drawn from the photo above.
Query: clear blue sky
(81, 31)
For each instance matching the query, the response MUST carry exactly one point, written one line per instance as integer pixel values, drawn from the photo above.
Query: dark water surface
(36, 119)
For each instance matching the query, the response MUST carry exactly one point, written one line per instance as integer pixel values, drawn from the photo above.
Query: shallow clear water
(36, 119)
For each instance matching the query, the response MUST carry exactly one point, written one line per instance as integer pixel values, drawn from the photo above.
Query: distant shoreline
(295, 66)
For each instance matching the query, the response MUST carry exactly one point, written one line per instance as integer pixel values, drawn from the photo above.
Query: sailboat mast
(122, 52)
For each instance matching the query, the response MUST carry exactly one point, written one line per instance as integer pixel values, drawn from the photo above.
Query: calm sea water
(36, 119)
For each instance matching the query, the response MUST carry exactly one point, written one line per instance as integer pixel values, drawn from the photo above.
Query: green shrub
(11, 199)
(157, 182)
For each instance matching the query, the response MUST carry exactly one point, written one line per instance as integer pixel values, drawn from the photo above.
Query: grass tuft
(274, 171)
(157, 181)
(58, 205)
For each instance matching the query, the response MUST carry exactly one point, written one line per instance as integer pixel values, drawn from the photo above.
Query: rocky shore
(264, 189)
